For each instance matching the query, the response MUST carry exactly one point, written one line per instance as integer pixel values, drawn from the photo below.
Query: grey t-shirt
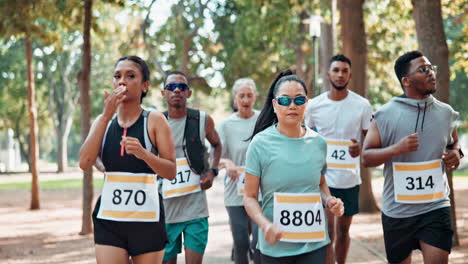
(191, 206)
(233, 132)
(398, 119)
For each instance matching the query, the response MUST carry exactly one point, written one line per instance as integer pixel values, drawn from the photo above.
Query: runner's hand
(273, 234)
(408, 144)
(133, 146)
(233, 174)
(335, 205)
(354, 149)
(451, 159)
(113, 100)
(231, 169)
(207, 180)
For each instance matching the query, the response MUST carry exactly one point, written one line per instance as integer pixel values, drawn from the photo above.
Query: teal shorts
(195, 237)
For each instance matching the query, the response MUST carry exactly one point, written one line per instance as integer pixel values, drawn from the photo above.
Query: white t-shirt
(344, 119)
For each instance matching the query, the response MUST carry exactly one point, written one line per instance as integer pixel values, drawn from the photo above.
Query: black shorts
(350, 198)
(402, 235)
(135, 237)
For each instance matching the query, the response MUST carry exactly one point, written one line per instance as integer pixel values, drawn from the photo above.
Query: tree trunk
(33, 130)
(355, 48)
(326, 52)
(431, 41)
(61, 149)
(85, 102)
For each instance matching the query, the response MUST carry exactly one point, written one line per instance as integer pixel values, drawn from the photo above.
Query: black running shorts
(402, 235)
(135, 237)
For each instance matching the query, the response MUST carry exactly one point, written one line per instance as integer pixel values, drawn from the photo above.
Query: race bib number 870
(300, 216)
(129, 197)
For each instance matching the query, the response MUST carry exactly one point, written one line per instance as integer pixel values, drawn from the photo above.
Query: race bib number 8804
(300, 216)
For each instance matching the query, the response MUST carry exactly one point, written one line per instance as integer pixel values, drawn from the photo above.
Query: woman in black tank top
(133, 145)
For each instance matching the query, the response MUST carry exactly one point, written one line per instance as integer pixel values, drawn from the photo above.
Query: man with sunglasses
(342, 117)
(184, 198)
(415, 136)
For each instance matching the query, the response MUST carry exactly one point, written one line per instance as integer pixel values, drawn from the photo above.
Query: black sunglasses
(172, 86)
(286, 101)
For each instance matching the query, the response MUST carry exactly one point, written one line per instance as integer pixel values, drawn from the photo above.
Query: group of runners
(292, 170)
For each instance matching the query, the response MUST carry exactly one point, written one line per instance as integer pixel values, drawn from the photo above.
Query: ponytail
(267, 116)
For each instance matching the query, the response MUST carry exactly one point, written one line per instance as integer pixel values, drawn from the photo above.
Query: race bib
(338, 156)
(418, 182)
(129, 197)
(300, 216)
(185, 182)
(241, 181)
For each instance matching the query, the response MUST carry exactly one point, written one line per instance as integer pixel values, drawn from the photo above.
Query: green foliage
(257, 39)
(390, 32)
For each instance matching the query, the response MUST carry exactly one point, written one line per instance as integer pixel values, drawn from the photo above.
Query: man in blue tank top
(184, 198)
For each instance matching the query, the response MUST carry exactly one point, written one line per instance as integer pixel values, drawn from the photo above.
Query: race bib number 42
(185, 182)
(300, 216)
(241, 181)
(338, 156)
(129, 197)
(418, 182)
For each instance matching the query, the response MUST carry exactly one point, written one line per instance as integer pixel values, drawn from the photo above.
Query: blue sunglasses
(172, 86)
(286, 101)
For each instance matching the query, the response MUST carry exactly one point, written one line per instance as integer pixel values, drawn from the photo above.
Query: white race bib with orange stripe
(185, 182)
(241, 181)
(418, 182)
(300, 216)
(129, 197)
(338, 156)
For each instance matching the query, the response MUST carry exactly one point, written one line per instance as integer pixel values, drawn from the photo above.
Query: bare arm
(214, 140)
(92, 144)
(271, 231)
(212, 136)
(161, 136)
(333, 204)
(452, 157)
(374, 155)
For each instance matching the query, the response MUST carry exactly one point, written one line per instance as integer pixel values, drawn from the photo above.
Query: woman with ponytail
(286, 161)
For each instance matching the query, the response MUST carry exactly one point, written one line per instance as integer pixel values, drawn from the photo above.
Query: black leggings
(317, 256)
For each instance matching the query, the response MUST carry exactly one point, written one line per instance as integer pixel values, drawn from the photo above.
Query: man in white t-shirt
(342, 117)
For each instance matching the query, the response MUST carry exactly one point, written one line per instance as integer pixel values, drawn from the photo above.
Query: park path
(50, 235)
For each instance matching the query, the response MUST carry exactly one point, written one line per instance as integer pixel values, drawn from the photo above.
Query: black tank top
(111, 151)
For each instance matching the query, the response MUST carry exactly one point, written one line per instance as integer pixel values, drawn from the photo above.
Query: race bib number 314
(418, 182)
(300, 216)
(129, 197)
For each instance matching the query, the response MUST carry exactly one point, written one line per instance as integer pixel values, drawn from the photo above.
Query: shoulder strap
(105, 133)
(148, 145)
(202, 126)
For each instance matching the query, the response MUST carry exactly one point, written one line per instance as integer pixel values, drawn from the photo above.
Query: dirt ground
(50, 235)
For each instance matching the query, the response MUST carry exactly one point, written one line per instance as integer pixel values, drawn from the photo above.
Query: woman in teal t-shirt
(286, 160)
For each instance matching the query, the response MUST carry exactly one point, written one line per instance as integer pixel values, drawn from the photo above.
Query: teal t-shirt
(290, 165)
